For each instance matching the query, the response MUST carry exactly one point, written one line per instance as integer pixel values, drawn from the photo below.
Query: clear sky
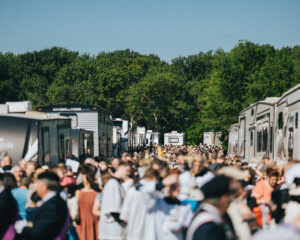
(168, 28)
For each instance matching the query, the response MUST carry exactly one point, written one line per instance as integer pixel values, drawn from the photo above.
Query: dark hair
(25, 181)
(86, 169)
(217, 187)
(51, 179)
(273, 173)
(35, 197)
(10, 181)
(71, 189)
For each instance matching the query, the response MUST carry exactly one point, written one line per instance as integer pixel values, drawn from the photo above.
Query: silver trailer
(233, 139)
(82, 142)
(141, 138)
(121, 130)
(89, 117)
(212, 139)
(256, 132)
(35, 136)
(287, 134)
(174, 138)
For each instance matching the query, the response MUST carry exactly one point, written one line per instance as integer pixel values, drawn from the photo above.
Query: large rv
(82, 142)
(141, 137)
(120, 136)
(233, 139)
(212, 139)
(256, 132)
(174, 138)
(287, 134)
(35, 136)
(153, 138)
(89, 117)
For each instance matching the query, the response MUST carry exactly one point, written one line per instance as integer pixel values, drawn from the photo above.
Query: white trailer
(233, 139)
(287, 134)
(120, 136)
(174, 138)
(256, 132)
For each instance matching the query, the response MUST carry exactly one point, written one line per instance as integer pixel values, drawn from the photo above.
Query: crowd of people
(163, 193)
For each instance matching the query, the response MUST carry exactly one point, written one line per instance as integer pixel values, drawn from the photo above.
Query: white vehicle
(35, 136)
(287, 133)
(153, 138)
(140, 137)
(174, 138)
(233, 139)
(256, 132)
(120, 136)
(89, 117)
(212, 139)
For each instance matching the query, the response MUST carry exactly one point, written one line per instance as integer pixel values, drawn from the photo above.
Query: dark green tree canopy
(192, 94)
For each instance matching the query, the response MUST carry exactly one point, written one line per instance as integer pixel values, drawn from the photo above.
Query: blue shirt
(20, 196)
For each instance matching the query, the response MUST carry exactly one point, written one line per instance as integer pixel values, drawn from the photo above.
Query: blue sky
(168, 28)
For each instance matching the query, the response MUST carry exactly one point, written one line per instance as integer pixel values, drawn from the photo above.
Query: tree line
(192, 94)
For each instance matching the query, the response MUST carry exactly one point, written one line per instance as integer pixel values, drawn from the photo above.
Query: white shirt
(113, 196)
(140, 224)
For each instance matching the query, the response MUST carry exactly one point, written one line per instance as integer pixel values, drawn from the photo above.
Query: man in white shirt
(111, 226)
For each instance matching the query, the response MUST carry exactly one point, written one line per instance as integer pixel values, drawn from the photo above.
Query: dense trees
(192, 94)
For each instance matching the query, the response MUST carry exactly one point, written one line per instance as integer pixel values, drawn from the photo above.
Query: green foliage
(193, 94)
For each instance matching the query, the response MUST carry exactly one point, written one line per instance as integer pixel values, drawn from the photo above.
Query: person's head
(103, 167)
(171, 185)
(17, 171)
(30, 168)
(196, 167)
(151, 175)
(273, 177)
(90, 161)
(115, 163)
(250, 179)
(6, 161)
(157, 165)
(22, 164)
(124, 171)
(88, 175)
(47, 182)
(10, 181)
(60, 171)
(220, 191)
(25, 182)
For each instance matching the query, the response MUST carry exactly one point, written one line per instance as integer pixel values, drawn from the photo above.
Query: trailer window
(296, 120)
(271, 139)
(46, 144)
(61, 147)
(252, 112)
(251, 138)
(280, 120)
(265, 140)
(259, 138)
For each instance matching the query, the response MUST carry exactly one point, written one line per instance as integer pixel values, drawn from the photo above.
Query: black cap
(217, 187)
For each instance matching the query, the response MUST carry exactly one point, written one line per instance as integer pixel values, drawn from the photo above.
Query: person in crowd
(8, 211)
(51, 218)
(171, 218)
(20, 194)
(34, 201)
(30, 168)
(111, 226)
(17, 172)
(135, 214)
(209, 223)
(6, 164)
(73, 210)
(22, 164)
(87, 229)
(10, 181)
